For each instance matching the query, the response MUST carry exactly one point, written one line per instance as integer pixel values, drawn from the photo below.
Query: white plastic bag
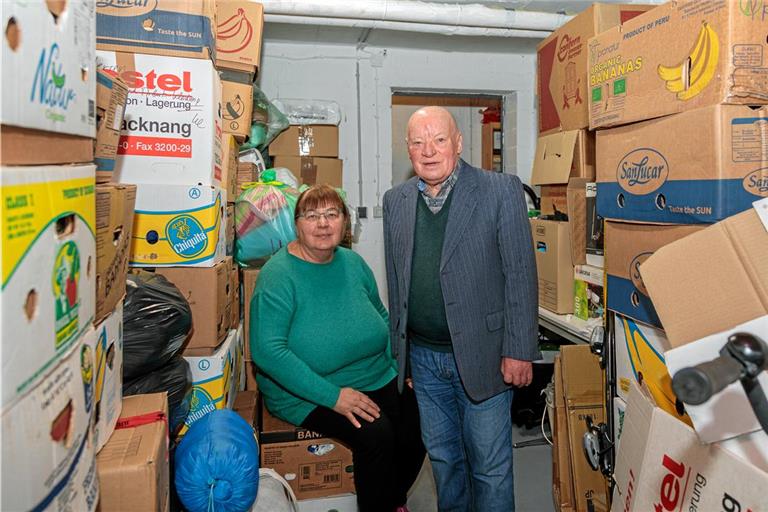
(275, 495)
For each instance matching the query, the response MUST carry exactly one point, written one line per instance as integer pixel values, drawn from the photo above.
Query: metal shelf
(569, 327)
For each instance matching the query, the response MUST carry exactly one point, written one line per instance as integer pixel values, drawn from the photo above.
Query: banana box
(236, 104)
(627, 246)
(216, 378)
(240, 25)
(640, 353)
(48, 53)
(106, 351)
(715, 166)
(48, 296)
(178, 225)
(48, 455)
(160, 27)
(679, 56)
(171, 132)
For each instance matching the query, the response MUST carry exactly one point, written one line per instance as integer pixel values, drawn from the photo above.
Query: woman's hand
(353, 403)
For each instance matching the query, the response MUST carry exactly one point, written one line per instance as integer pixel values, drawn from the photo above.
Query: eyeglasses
(312, 216)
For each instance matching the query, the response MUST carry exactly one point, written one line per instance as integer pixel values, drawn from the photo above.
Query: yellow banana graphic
(688, 78)
(648, 366)
(101, 365)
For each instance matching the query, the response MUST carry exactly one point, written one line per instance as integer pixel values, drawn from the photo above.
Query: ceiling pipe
(405, 26)
(413, 11)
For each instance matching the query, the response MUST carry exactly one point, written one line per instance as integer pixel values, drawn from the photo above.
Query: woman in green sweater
(320, 338)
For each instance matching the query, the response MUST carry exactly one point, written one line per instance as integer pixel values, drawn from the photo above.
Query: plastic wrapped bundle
(156, 321)
(264, 220)
(176, 379)
(302, 111)
(217, 464)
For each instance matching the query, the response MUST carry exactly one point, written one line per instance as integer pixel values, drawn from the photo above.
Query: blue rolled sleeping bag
(217, 464)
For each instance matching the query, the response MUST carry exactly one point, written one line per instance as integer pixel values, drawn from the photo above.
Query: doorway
(478, 116)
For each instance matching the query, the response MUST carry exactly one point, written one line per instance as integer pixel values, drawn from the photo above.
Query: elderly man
(463, 310)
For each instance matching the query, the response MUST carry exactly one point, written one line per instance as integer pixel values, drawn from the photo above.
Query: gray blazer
(487, 273)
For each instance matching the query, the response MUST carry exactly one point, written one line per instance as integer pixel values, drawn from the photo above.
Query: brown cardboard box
(111, 95)
(234, 286)
(662, 465)
(246, 173)
(584, 396)
(230, 232)
(133, 465)
(240, 25)
(553, 263)
(307, 140)
(312, 171)
(562, 66)
(250, 275)
(627, 246)
(291, 450)
(250, 374)
(679, 56)
(114, 225)
(161, 27)
(22, 146)
(564, 155)
(229, 151)
(246, 405)
(711, 281)
(576, 203)
(715, 166)
(236, 104)
(562, 477)
(209, 295)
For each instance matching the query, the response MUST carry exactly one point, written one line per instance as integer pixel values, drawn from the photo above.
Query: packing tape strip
(141, 419)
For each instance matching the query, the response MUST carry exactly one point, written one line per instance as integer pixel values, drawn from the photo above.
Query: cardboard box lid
(554, 158)
(722, 271)
(582, 376)
(577, 216)
(275, 430)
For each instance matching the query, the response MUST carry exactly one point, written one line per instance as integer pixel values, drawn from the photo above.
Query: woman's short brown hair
(319, 195)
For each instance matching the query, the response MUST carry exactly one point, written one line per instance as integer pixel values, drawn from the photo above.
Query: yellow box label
(176, 237)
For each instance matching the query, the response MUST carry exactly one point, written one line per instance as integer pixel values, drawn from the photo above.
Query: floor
(533, 478)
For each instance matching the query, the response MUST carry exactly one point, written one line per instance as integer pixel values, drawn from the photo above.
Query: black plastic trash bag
(175, 378)
(156, 322)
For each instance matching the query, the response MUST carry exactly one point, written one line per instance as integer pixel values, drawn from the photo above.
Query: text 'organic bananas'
(688, 78)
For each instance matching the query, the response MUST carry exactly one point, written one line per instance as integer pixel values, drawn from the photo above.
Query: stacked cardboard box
(310, 152)
(564, 164)
(60, 393)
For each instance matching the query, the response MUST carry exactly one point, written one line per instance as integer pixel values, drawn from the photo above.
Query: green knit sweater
(316, 328)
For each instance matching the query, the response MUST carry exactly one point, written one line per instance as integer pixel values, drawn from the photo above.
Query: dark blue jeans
(469, 443)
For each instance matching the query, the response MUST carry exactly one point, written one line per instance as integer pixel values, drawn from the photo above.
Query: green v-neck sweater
(427, 323)
(316, 328)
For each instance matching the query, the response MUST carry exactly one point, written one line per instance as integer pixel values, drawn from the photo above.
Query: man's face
(434, 145)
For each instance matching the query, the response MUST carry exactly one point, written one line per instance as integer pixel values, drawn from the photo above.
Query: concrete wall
(362, 79)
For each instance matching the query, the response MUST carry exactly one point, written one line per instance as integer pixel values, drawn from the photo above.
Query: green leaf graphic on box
(620, 86)
(597, 94)
(58, 80)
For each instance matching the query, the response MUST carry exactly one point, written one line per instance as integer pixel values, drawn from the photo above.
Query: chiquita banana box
(48, 455)
(178, 225)
(105, 349)
(640, 352)
(216, 379)
(679, 56)
(48, 296)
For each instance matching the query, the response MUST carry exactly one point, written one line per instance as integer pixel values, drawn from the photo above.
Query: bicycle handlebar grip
(697, 384)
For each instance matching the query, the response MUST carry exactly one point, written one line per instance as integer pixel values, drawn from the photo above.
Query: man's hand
(353, 403)
(515, 372)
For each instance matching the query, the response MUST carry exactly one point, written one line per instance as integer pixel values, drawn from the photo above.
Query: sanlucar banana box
(216, 378)
(106, 351)
(48, 297)
(49, 81)
(715, 166)
(679, 56)
(171, 132)
(640, 352)
(48, 455)
(178, 225)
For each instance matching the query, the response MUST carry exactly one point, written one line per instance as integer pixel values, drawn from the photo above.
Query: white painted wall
(330, 71)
